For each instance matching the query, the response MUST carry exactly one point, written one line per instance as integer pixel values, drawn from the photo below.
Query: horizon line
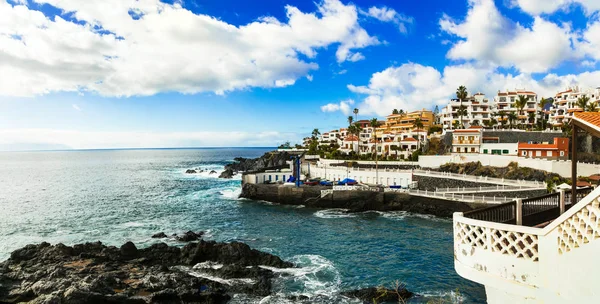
(154, 148)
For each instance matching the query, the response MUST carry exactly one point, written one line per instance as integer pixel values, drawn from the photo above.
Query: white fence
(488, 189)
(468, 198)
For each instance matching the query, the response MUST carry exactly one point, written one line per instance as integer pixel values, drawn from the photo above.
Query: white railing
(468, 198)
(488, 189)
(538, 264)
(482, 179)
(324, 193)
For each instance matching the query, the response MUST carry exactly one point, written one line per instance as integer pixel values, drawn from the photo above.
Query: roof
(409, 139)
(526, 146)
(595, 177)
(583, 184)
(468, 130)
(351, 138)
(589, 121)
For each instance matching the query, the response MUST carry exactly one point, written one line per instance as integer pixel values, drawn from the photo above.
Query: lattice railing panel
(581, 228)
(470, 235)
(520, 245)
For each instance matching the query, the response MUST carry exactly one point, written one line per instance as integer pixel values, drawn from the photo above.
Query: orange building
(557, 150)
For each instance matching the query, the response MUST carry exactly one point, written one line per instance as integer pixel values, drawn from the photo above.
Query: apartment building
(399, 123)
(506, 103)
(559, 149)
(565, 104)
(467, 140)
(478, 112)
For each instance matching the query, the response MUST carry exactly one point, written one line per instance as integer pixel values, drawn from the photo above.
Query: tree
(512, 117)
(592, 107)
(455, 124)
(520, 103)
(542, 105)
(285, 145)
(315, 133)
(401, 112)
(350, 120)
(531, 117)
(418, 124)
(461, 93)
(355, 113)
(462, 111)
(502, 115)
(395, 111)
(582, 102)
(356, 129)
(475, 122)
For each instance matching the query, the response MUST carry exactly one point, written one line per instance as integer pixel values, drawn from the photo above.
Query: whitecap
(208, 264)
(315, 275)
(233, 194)
(201, 274)
(334, 213)
(132, 224)
(451, 296)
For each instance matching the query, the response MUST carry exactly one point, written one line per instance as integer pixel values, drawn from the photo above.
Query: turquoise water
(120, 195)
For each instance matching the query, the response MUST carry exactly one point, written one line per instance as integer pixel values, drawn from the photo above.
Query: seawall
(355, 201)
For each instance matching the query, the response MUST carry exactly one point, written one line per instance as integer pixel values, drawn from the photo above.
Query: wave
(314, 276)
(233, 194)
(197, 272)
(334, 213)
(446, 296)
(402, 215)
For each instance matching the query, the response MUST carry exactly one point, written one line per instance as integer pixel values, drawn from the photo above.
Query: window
(549, 153)
(538, 153)
(472, 149)
(562, 153)
(276, 177)
(485, 151)
(504, 151)
(524, 153)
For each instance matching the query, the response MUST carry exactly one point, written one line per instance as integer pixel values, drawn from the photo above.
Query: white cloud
(343, 106)
(165, 48)
(386, 14)
(413, 86)
(589, 43)
(538, 7)
(76, 107)
(488, 37)
(12, 139)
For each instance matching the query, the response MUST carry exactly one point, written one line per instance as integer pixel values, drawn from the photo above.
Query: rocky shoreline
(199, 272)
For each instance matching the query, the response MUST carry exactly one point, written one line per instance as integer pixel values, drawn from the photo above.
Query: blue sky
(114, 74)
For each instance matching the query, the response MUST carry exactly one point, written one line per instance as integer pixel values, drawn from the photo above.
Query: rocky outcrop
(95, 273)
(269, 160)
(380, 295)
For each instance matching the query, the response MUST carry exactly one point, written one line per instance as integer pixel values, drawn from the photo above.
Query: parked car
(312, 182)
(325, 183)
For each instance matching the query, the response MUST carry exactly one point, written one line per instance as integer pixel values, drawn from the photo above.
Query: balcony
(532, 250)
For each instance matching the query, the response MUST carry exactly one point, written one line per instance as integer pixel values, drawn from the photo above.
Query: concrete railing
(468, 198)
(519, 264)
(488, 189)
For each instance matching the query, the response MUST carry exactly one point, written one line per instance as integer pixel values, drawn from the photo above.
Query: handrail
(503, 213)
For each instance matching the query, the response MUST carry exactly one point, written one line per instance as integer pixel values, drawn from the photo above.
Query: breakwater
(355, 201)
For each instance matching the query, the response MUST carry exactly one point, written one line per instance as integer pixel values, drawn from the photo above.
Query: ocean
(114, 196)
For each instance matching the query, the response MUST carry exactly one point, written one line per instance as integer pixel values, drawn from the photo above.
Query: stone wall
(355, 201)
(431, 183)
(511, 194)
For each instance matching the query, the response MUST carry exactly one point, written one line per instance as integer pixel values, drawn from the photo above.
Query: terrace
(536, 250)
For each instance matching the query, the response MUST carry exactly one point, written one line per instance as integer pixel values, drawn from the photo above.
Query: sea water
(116, 196)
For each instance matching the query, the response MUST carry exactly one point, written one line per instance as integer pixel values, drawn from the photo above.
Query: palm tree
(418, 124)
(461, 93)
(315, 133)
(357, 130)
(374, 125)
(456, 124)
(520, 103)
(395, 111)
(542, 105)
(592, 107)
(531, 117)
(502, 114)
(462, 111)
(355, 113)
(512, 116)
(582, 102)
(401, 112)
(350, 120)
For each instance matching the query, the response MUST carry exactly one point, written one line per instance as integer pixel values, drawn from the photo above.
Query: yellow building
(399, 123)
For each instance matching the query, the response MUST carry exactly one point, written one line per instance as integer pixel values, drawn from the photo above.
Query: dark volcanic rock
(212, 172)
(189, 236)
(270, 160)
(380, 295)
(95, 273)
(190, 171)
(160, 235)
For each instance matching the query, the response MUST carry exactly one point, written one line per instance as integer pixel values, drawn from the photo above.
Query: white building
(565, 104)
(478, 108)
(467, 140)
(505, 102)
